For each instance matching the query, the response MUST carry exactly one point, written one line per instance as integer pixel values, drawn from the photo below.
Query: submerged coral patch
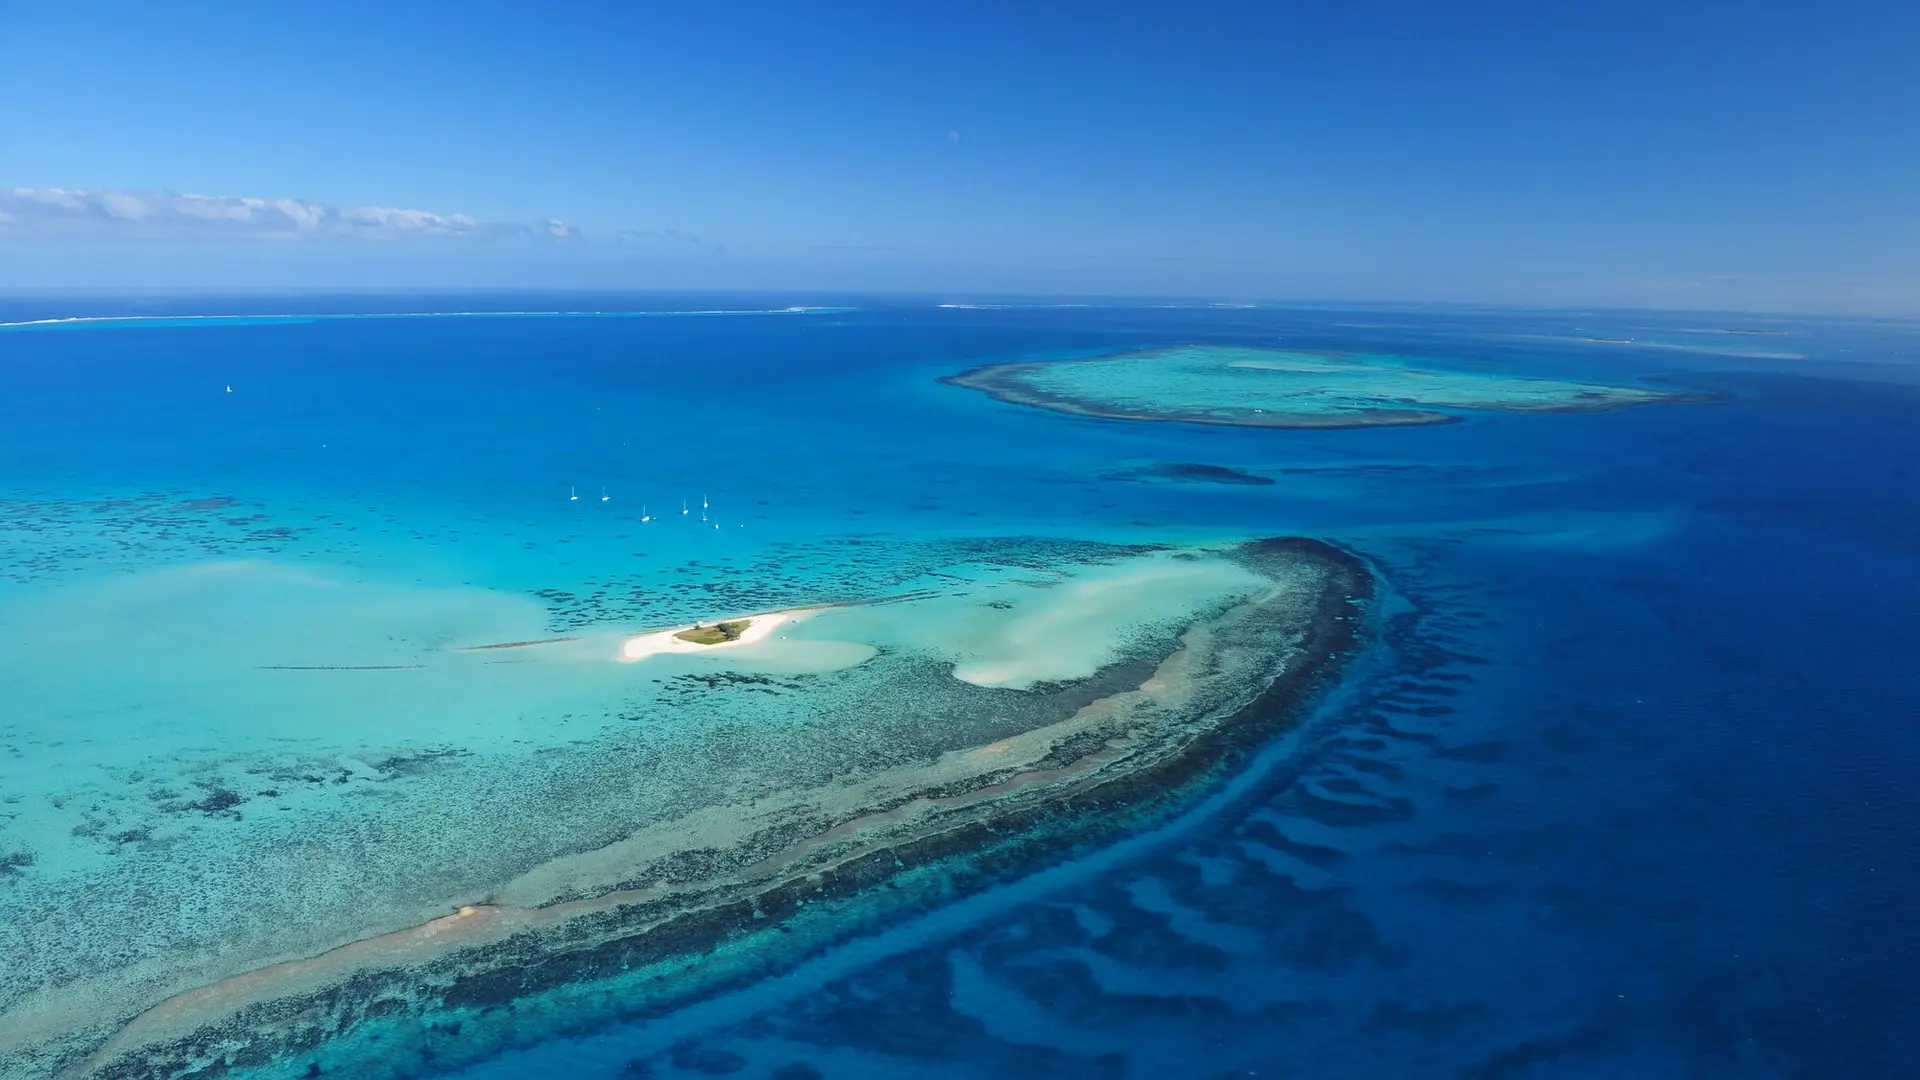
(1275, 388)
(1181, 472)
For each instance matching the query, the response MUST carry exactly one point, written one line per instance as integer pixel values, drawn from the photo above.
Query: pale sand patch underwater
(1262, 619)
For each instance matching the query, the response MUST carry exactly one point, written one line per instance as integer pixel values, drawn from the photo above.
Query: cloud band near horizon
(108, 212)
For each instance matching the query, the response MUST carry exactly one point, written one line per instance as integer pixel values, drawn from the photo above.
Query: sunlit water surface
(1624, 787)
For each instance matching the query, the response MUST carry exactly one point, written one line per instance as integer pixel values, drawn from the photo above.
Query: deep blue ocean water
(1629, 785)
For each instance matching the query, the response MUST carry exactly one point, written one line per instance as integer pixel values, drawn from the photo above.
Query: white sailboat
(571, 496)
(683, 506)
(604, 496)
(644, 516)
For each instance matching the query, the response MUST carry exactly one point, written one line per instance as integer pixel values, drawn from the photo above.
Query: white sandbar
(665, 641)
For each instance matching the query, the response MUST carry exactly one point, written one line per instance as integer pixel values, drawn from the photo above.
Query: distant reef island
(1274, 388)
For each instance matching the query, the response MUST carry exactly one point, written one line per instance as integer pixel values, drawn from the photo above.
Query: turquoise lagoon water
(1622, 787)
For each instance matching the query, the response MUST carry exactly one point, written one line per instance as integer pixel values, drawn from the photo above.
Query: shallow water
(1624, 788)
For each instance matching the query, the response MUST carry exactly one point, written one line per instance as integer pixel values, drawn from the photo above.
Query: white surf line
(658, 1034)
(318, 316)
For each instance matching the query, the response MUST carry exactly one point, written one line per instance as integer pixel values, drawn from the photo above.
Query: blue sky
(1706, 154)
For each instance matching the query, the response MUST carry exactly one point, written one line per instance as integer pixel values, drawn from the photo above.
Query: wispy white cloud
(666, 240)
(62, 211)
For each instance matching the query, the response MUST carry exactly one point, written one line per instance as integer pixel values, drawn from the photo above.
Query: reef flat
(1274, 388)
(730, 890)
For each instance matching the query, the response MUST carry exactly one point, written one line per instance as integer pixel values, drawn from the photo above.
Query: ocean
(1619, 781)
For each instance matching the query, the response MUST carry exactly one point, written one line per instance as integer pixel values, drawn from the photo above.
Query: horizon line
(944, 300)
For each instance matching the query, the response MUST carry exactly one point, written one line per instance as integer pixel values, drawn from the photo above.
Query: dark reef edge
(636, 960)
